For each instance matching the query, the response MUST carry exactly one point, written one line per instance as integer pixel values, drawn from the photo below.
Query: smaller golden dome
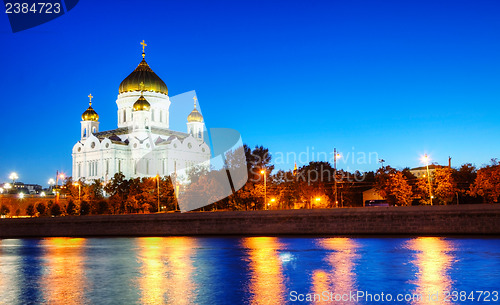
(141, 104)
(195, 116)
(90, 114)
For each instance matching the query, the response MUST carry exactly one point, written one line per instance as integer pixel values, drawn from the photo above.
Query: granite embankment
(478, 220)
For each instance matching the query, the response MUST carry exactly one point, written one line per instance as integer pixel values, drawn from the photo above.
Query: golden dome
(143, 74)
(141, 104)
(90, 114)
(195, 116)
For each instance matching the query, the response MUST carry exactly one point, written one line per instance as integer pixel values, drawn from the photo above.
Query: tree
(71, 208)
(100, 207)
(55, 210)
(464, 178)
(445, 187)
(41, 209)
(393, 185)
(30, 210)
(487, 184)
(84, 208)
(4, 210)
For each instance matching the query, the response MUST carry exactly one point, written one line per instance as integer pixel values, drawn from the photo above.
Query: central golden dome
(141, 104)
(143, 74)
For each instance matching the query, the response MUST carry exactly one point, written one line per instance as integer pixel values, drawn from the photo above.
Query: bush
(84, 208)
(101, 207)
(55, 210)
(30, 210)
(4, 210)
(71, 208)
(41, 209)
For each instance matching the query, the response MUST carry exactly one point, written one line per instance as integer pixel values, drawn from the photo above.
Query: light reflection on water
(266, 280)
(64, 279)
(433, 260)
(232, 270)
(167, 270)
(339, 277)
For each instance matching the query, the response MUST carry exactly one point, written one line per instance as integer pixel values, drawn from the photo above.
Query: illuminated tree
(487, 184)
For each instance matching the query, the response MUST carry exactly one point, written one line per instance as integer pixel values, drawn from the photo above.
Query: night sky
(399, 78)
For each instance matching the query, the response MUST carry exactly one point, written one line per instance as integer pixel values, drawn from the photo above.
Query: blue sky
(398, 78)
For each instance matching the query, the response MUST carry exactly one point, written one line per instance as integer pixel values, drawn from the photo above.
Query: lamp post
(272, 200)
(425, 159)
(7, 187)
(335, 156)
(79, 190)
(13, 176)
(158, 186)
(58, 176)
(263, 172)
(51, 183)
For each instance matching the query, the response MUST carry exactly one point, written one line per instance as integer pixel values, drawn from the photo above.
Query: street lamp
(79, 190)
(51, 182)
(263, 172)
(335, 157)
(426, 159)
(158, 185)
(13, 176)
(7, 187)
(272, 200)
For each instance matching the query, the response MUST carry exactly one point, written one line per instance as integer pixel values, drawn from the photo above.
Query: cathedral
(143, 145)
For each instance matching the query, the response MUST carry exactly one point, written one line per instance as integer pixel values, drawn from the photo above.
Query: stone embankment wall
(419, 220)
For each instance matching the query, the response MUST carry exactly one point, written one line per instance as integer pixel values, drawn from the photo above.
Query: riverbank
(419, 220)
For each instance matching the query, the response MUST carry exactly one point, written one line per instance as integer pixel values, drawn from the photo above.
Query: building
(142, 145)
(421, 172)
(371, 194)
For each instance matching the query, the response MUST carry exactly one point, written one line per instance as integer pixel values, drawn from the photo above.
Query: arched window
(161, 116)
(93, 130)
(124, 115)
(84, 132)
(199, 134)
(152, 115)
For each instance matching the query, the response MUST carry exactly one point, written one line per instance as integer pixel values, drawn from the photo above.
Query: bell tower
(90, 121)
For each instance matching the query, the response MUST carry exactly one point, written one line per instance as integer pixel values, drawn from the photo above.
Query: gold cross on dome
(195, 100)
(90, 98)
(143, 45)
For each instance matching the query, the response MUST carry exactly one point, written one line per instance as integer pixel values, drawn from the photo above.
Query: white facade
(142, 145)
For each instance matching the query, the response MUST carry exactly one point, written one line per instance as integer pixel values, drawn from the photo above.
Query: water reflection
(64, 279)
(167, 270)
(433, 261)
(341, 280)
(266, 273)
(9, 284)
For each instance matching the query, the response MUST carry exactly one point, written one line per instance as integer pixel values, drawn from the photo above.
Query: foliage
(30, 210)
(4, 210)
(393, 185)
(71, 208)
(41, 209)
(445, 187)
(55, 210)
(487, 184)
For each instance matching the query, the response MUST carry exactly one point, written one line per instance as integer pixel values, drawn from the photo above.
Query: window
(85, 132)
(124, 115)
(152, 115)
(161, 116)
